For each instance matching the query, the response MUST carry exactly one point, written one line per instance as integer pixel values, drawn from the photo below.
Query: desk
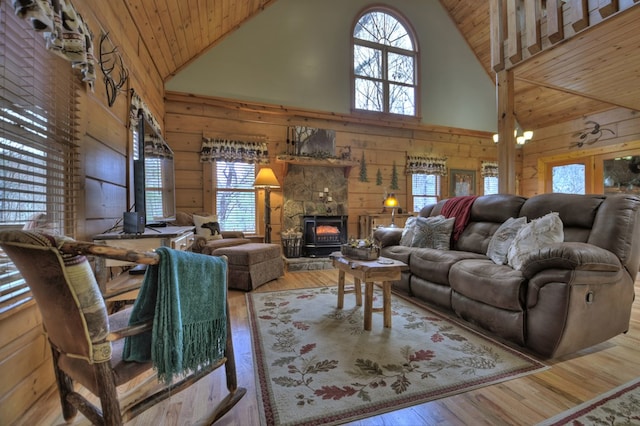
(368, 271)
(175, 237)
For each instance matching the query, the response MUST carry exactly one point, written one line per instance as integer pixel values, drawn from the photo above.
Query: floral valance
(232, 150)
(489, 169)
(65, 32)
(426, 165)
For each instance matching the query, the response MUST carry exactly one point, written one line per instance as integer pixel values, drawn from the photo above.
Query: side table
(383, 270)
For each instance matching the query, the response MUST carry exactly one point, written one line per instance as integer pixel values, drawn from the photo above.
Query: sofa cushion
(496, 285)
(502, 239)
(532, 237)
(432, 232)
(434, 265)
(207, 226)
(408, 232)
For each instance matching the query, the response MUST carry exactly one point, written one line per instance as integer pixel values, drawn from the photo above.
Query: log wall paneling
(190, 117)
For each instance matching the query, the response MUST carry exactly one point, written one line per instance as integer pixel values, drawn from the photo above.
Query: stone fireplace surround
(301, 188)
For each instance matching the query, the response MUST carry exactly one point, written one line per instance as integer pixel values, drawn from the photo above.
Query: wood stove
(323, 235)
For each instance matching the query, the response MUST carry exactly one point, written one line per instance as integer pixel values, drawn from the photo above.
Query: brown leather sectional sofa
(566, 297)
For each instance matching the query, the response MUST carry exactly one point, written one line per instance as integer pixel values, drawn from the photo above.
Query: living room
(242, 84)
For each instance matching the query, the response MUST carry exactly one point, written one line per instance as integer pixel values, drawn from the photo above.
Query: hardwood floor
(527, 400)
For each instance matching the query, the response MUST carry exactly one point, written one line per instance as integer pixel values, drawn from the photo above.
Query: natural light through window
(384, 65)
(236, 196)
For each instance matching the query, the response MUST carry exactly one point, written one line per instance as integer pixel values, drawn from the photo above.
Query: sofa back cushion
(617, 228)
(487, 214)
(577, 212)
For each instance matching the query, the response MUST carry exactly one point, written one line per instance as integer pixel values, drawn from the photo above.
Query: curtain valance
(65, 32)
(426, 165)
(224, 149)
(156, 147)
(137, 105)
(489, 169)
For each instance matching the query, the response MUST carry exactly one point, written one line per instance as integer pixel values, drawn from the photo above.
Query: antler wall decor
(111, 63)
(590, 135)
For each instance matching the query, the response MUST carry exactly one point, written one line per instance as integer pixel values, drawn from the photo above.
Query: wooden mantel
(316, 162)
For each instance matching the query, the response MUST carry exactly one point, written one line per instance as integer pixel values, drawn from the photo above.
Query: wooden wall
(558, 143)
(25, 357)
(189, 118)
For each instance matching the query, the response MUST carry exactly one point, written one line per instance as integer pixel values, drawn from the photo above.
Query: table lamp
(392, 201)
(266, 180)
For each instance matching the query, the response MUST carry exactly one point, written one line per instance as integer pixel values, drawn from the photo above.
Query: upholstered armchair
(86, 343)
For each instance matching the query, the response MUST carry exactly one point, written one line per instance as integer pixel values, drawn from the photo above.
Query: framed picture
(462, 182)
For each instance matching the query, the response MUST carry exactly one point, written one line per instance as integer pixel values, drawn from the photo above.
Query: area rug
(620, 406)
(315, 364)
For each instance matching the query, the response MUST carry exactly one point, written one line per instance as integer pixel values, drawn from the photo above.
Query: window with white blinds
(490, 185)
(425, 190)
(38, 156)
(236, 196)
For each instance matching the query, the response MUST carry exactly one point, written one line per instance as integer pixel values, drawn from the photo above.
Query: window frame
(438, 189)
(586, 161)
(416, 117)
(216, 190)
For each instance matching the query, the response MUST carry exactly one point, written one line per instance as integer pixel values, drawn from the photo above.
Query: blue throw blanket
(186, 296)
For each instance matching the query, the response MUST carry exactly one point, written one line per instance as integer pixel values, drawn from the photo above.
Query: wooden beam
(555, 31)
(532, 25)
(496, 16)
(514, 45)
(506, 125)
(579, 14)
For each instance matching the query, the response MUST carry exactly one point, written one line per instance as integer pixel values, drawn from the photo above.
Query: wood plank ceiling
(596, 71)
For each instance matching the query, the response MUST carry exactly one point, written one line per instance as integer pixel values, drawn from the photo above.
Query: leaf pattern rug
(315, 364)
(620, 406)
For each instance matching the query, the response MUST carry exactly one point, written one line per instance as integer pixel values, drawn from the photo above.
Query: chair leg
(230, 365)
(65, 388)
(108, 394)
(235, 393)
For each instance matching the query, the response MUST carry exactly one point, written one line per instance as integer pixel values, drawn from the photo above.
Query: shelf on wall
(316, 162)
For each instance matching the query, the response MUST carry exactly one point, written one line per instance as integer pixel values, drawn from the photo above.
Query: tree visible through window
(569, 179)
(384, 64)
(235, 196)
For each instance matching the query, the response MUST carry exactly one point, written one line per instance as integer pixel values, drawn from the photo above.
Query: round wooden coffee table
(382, 270)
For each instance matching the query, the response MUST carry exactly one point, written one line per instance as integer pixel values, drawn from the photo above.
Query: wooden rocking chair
(86, 342)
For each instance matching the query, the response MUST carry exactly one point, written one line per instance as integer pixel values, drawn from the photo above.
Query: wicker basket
(368, 253)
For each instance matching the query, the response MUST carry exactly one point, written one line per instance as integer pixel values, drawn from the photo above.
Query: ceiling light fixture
(525, 137)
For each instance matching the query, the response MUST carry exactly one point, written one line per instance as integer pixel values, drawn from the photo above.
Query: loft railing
(522, 28)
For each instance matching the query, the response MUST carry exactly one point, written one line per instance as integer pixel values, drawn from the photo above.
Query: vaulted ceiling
(598, 70)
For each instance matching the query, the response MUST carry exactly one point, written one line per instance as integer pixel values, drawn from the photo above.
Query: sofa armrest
(199, 243)
(570, 255)
(386, 237)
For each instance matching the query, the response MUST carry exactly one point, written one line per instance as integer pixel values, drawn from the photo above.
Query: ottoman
(252, 264)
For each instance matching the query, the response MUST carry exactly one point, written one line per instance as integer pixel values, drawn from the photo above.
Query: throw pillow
(535, 235)
(207, 226)
(433, 232)
(408, 232)
(502, 239)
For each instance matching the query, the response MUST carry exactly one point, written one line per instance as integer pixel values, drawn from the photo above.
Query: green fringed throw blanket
(186, 296)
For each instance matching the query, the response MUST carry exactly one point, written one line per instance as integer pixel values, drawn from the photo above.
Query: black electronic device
(133, 222)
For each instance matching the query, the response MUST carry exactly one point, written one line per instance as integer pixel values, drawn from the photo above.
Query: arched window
(385, 64)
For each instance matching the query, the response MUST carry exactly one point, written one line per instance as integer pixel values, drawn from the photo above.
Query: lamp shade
(391, 201)
(266, 179)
